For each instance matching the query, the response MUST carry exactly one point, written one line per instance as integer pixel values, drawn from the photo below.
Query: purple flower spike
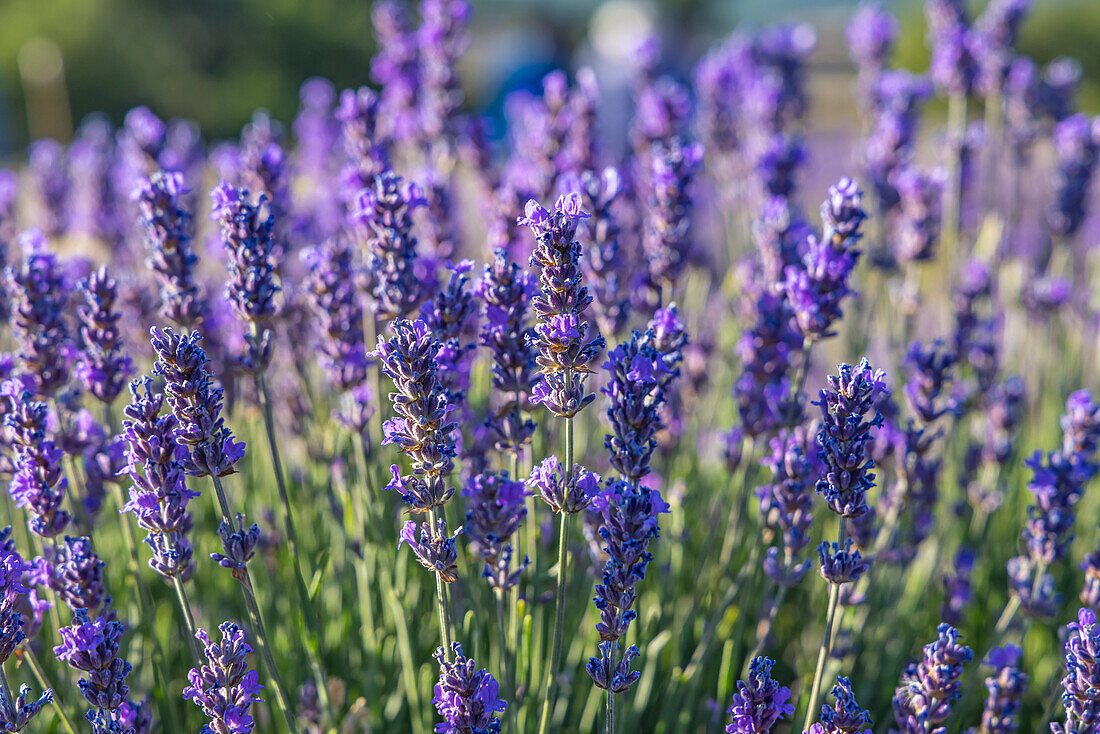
(840, 566)
(247, 232)
(331, 283)
(1077, 142)
(565, 352)
(196, 402)
(667, 235)
(919, 200)
(845, 716)
(92, 646)
(505, 291)
(466, 698)
(38, 482)
(929, 687)
(496, 509)
(610, 675)
(36, 287)
(547, 481)
(423, 429)
(15, 715)
(103, 367)
(76, 574)
(159, 495)
(1081, 686)
(434, 549)
(760, 703)
(167, 226)
(1006, 688)
(239, 545)
(845, 436)
(12, 593)
(223, 687)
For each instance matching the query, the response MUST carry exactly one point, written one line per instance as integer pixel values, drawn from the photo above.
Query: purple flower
(15, 715)
(450, 315)
(845, 434)
(995, 35)
(423, 429)
(871, 35)
(929, 687)
(442, 39)
(434, 549)
(496, 509)
(12, 592)
(92, 646)
(38, 482)
(247, 235)
(1081, 686)
(103, 366)
(548, 482)
(76, 574)
(930, 373)
(956, 586)
(1077, 142)
(37, 290)
(845, 716)
(197, 403)
(667, 234)
(331, 282)
(396, 67)
(239, 545)
(1006, 689)
(787, 503)
(840, 565)
(383, 218)
(760, 703)
(167, 226)
(565, 352)
(223, 687)
(159, 495)
(505, 291)
(918, 226)
(466, 698)
(365, 154)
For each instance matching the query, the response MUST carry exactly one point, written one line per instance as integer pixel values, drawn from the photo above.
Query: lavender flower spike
(570, 495)
(37, 291)
(92, 646)
(223, 687)
(845, 716)
(422, 429)
(1081, 686)
(167, 227)
(1006, 688)
(15, 715)
(434, 549)
(196, 402)
(465, 697)
(12, 591)
(103, 366)
(760, 703)
(928, 688)
(845, 436)
(565, 353)
(38, 483)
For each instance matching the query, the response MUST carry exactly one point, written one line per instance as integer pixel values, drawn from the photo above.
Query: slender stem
(804, 368)
(826, 643)
(188, 617)
(441, 600)
(262, 642)
(1007, 615)
(559, 624)
(40, 676)
(6, 695)
(505, 664)
(611, 695)
(292, 536)
(769, 621)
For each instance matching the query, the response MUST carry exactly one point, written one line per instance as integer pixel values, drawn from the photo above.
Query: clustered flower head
(167, 227)
(423, 428)
(496, 509)
(848, 413)
(1081, 685)
(840, 565)
(38, 482)
(845, 716)
(636, 391)
(505, 291)
(331, 284)
(36, 287)
(92, 646)
(570, 492)
(103, 366)
(196, 402)
(15, 715)
(667, 236)
(760, 703)
(565, 352)
(628, 522)
(247, 232)
(12, 591)
(448, 315)
(159, 495)
(434, 549)
(239, 545)
(817, 286)
(786, 504)
(929, 687)
(468, 699)
(1006, 687)
(224, 687)
(76, 574)
(383, 215)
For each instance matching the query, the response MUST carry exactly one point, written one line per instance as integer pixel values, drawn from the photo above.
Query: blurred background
(216, 61)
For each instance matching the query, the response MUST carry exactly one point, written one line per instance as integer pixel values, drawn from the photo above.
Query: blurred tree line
(215, 61)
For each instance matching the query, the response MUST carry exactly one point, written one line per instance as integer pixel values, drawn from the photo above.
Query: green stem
(44, 683)
(188, 617)
(311, 644)
(262, 642)
(826, 644)
(507, 670)
(956, 129)
(559, 621)
(441, 600)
